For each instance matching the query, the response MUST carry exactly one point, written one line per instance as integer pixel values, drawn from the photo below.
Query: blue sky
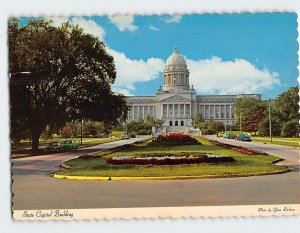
(225, 53)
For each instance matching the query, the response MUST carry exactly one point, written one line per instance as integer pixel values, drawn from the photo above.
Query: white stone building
(177, 103)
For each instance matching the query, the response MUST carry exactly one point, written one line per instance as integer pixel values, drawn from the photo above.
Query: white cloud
(130, 71)
(123, 22)
(215, 76)
(173, 19)
(58, 21)
(89, 26)
(122, 91)
(153, 28)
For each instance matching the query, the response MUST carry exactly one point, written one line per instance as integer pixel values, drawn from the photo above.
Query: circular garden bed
(168, 159)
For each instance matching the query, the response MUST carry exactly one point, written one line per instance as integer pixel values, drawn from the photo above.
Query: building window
(171, 123)
(182, 123)
(176, 123)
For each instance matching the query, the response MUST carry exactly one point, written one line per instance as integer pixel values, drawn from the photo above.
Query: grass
(244, 164)
(294, 142)
(23, 149)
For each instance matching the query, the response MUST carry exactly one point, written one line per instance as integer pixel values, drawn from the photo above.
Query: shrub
(177, 138)
(144, 132)
(66, 132)
(132, 135)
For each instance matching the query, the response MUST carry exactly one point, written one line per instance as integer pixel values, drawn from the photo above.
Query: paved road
(291, 155)
(35, 189)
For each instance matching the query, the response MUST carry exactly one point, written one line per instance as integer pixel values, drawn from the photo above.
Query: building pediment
(176, 98)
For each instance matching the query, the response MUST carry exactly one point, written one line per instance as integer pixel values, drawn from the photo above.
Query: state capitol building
(177, 102)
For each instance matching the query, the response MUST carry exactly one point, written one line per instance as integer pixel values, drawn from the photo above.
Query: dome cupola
(176, 74)
(176, 59)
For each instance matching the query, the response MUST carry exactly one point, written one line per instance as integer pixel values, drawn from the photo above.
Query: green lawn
(244, 164)
(23, 148)
(295, 142)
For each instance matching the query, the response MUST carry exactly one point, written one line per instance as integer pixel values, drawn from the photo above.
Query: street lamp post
(270, 122)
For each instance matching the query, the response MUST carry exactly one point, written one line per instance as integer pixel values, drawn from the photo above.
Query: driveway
(33, 188)
(291, 155)
(45, 164)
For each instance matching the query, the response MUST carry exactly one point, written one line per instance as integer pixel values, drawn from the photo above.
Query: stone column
(143, 111)
(220, 111)
(184, 112)
(215, 115)
(132, 112)
(153, 114)
(209, 111)
(173, 111)
(230, 111)
(167, 110)
(190, 110)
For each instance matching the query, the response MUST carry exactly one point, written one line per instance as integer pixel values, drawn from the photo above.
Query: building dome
(176, 74)
(175, 59)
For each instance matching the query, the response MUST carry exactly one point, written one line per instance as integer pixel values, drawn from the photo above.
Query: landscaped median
(152, 161)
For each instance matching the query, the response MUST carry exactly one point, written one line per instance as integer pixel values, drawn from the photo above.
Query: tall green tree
(70, 78)
(287, 105)
(250, 112)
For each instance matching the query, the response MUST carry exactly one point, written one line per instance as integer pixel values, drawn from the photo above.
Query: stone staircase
(177, 129)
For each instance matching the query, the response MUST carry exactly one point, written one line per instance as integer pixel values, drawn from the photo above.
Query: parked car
(69, 145)
(125, 136)
(244, 137)
(220, 134)
(54, 147)
(228, 135)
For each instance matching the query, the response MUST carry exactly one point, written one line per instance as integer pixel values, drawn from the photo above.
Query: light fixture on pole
(270, 121)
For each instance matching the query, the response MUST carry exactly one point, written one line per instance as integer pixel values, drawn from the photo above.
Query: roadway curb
(136, 178)
(277, 160)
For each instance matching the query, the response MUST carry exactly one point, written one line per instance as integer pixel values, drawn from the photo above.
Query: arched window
(171, 123)
(182, 123)
(176, 123)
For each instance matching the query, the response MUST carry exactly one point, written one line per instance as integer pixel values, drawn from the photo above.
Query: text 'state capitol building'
(177, 103)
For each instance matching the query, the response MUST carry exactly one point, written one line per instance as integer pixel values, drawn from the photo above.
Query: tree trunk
(35, 140)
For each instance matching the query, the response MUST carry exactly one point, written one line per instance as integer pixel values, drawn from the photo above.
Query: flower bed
(238, 148)
(169, 159)
(175, 138)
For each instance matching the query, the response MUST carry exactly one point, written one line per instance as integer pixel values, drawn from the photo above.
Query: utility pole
(270, 122)
(240, 121)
